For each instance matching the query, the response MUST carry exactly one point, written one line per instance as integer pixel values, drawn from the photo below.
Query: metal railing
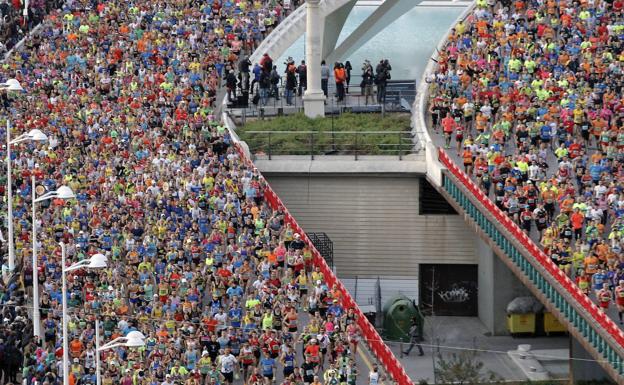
(325, 246)
(396, 100)
(313, 143)
(590, 325)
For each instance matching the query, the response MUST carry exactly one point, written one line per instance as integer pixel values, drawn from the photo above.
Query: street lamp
(33, 135)
(134, 339)
(13, 85)
(96, 261)
(63, 192)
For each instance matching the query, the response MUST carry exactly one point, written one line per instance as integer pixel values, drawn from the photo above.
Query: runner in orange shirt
(591, 264)
(448, 126)
(468, 160)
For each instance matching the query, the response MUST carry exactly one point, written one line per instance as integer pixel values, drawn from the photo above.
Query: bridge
(592, 329)
(594, 333)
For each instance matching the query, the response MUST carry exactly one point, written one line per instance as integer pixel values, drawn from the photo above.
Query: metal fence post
(269, 149)
(400, 146)
(311, 146)
(356, 145)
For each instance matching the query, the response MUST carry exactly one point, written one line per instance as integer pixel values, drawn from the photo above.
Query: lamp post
(32, 135)
(63, 192)
(134, 339)
(12, 85)
(96, 261)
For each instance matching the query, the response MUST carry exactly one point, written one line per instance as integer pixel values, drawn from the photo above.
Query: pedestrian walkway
(463, 335)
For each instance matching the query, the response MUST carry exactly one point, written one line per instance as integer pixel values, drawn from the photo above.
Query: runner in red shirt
(605, 296)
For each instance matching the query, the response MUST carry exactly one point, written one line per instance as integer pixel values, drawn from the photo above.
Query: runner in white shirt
(374, 377)
(228, 364)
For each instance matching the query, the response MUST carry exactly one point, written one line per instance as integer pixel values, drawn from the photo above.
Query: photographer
(368, 80)
(275, 80)
(382, 76)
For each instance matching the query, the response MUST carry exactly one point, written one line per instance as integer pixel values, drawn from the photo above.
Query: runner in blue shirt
(267, 365)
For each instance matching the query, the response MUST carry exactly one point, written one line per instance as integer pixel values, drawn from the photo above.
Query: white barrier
(420, 131)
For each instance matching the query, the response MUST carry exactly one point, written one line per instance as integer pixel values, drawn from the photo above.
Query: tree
(462, 368)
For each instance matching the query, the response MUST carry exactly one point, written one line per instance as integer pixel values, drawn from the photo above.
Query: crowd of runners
(15, 23)
(528, 96)
(198, 262)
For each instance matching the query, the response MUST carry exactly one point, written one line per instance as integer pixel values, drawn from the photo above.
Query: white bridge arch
(335, 14)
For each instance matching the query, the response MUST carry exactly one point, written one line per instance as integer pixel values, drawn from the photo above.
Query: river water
(408, 42)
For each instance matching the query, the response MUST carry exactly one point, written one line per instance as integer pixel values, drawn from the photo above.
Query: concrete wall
(377, 230)
(583, 367)
(374, 223)
(497, 287)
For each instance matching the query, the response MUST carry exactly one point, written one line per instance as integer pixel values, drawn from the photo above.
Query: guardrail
(419, 111)
(313, 143)
(395, 101)
(376, 345)
(609, 346)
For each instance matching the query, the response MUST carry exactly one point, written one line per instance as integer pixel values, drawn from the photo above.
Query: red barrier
(597, 314)
(376, 345)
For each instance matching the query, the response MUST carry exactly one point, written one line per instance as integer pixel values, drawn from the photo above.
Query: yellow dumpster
(552, 324)
(521, 323)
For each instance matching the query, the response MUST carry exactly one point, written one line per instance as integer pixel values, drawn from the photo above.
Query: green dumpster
(398, 313)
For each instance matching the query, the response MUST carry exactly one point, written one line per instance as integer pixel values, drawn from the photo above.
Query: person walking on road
(415, 338)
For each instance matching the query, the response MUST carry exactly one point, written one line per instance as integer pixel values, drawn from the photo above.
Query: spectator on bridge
(302, 71)
(230, 83)
(348, 68)
(325, 74)
(244, 68)
(257, 70)
(382, 75)
(368, 81)
(340, 77)
(275, 82)
(291, 84)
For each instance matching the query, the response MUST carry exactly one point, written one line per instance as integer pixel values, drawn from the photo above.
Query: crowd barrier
(370, 336)
(573, 290)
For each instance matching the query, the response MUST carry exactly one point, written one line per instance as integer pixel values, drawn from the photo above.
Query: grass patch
(344, 134)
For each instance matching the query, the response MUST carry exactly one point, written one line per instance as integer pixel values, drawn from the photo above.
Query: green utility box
(398, 313)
